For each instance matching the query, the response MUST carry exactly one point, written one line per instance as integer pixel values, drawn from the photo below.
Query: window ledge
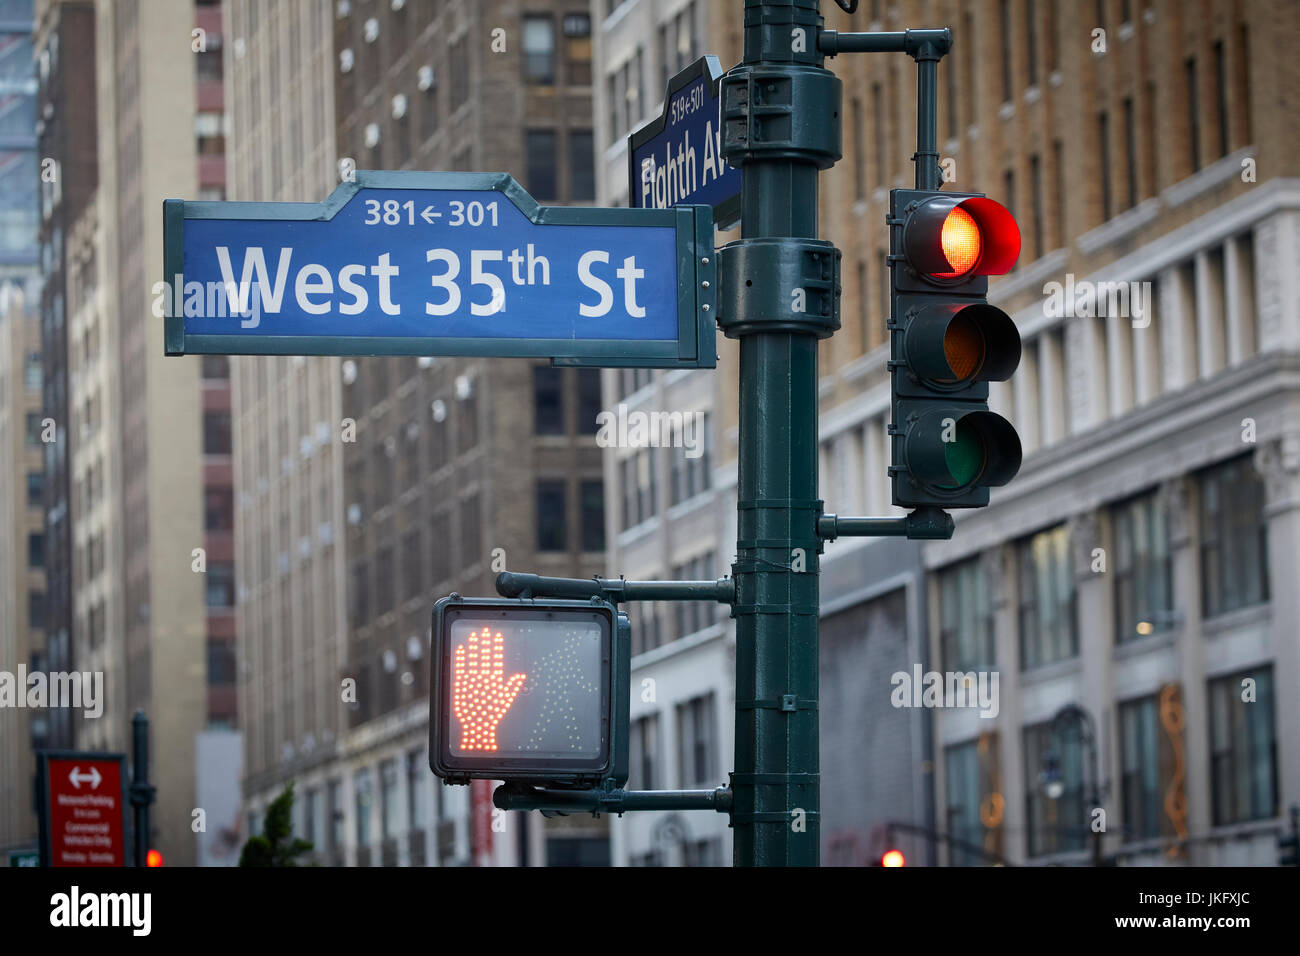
(1119, 227)
(1054, 670)
(863, 366)
(1145, 645)
(630, 536)
(1031, 276)
(1229, 621)
(679, 646)
(1201, 181)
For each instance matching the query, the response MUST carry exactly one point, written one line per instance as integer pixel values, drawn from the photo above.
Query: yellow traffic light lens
(961, 243)
(963, 348)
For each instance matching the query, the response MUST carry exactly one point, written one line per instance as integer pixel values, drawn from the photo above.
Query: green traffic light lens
(964, 455)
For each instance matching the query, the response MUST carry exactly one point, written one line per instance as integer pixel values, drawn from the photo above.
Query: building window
(551, 518)
(335, 808)
(361, 783)
(36, 609)
(458, 70)
(548, 400)
(540, 151)
(311, 818)
(388, 799)
(1146, 767)
(216, 433)
(385, 586)
(1243, 747)
(693, 616)
(1143, 568)
(588, 401)
(215, 367)
(577, 48)
(695, 741)
(218, 509)
(36, 550)
(539, 50)
(582, 166)
(644, 757)
(1004, 17)
(35, 487)
(1103, 157)
(593, 515)
(970, 780)
(1055, 825)
(965, 617)
(439, 535)
(1048, 624)
(360, 603)
(1234, 538)
(220, 584)
(638, 480)
(33, 430)
(412, 573)
(221, 663)
(417, 770)
(471, 534)
(691, 471)
(1193, 115)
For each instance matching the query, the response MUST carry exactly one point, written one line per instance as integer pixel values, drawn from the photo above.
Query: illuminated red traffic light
(153, 858)
(960, 237)
(893, 858)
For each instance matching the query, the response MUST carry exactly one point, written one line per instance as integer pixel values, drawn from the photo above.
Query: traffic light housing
(530, 691)
(946, 344)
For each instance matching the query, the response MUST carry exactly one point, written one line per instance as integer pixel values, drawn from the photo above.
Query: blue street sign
(421, 263)
(676, 158)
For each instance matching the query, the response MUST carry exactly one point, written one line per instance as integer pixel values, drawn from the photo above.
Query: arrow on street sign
(76, 777)
(421, 263)
(676, 158)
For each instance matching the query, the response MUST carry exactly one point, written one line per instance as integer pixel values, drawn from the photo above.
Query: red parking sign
(82, 809)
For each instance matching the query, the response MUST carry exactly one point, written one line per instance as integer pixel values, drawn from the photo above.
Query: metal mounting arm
(923, 523)
(521, 797)
(512, 584)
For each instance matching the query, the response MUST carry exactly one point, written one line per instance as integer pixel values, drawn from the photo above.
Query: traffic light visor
(951, 345)
(523, 690)
(952, 451)
(951, 238)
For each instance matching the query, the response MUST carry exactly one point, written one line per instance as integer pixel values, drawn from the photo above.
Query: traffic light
(526, 690)
(893, 858)
(153, 858)
(946, 344)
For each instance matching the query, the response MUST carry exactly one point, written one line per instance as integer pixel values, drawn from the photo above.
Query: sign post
(82, 808)
(421, 263)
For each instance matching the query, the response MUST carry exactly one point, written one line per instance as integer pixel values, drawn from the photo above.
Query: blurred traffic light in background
(524, 690)
(946, 344)
(152, 858)
(893, 858)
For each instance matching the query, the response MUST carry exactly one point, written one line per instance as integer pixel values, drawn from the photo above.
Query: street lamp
(1050, 777)
(1053, 780)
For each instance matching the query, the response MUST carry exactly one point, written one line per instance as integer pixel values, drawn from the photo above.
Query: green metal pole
(778, 294)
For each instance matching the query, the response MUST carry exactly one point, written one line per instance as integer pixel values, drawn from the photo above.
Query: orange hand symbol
(479, 697)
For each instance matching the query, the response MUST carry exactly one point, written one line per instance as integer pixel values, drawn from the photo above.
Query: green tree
(275, 845)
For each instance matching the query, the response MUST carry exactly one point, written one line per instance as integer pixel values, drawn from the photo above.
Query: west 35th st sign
(416, 263)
